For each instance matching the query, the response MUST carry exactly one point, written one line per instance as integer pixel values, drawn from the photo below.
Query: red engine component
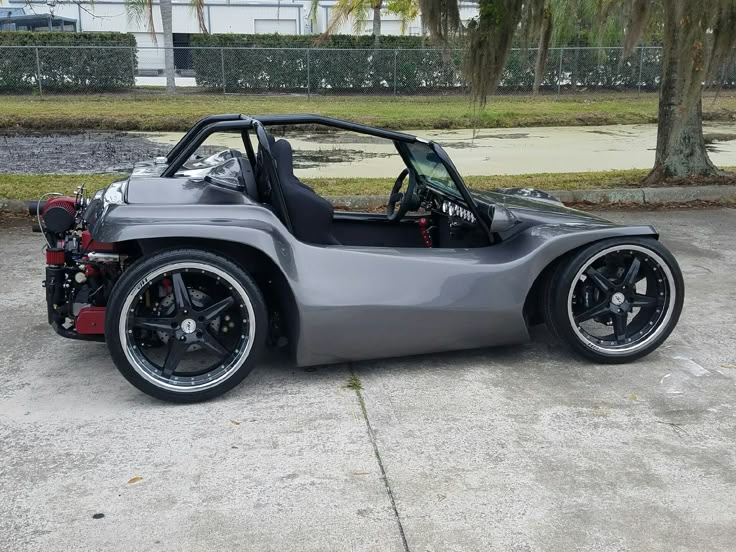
(54, 256)
(58, 214)
(66, 203)
(90, 320)
(89, 270)
(88, 244)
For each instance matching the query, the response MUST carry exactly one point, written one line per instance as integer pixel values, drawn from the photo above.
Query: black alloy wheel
(616, 300)
(185, 325)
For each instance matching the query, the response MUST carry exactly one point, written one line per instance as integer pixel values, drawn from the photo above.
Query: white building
(221, 16)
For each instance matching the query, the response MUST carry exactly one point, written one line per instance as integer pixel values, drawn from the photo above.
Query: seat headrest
(284, 157)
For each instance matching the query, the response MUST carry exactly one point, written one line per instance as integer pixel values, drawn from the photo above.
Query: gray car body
(357, 303)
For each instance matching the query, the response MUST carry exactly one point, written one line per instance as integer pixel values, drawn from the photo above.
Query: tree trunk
(680, 144)
(545, 36)
(377, 22)
(169, 67)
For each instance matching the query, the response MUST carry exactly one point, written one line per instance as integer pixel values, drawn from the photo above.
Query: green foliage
(577, 22)
(604, 69)
(342, 63)
(32, 186)
(491, 35)
(358, 10)
(407, 9)
(68, 62)
(27, 38)
(350, 64)
(354, 383)
(308, 41)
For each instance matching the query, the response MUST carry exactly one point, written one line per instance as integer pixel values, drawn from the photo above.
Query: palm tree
(143, 9)
(376, 7)
(169, 64)
(357, 10)
(699, 45)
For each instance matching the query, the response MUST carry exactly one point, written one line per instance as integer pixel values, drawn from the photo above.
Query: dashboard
(454, 210)
(454, 225)
(441, 203)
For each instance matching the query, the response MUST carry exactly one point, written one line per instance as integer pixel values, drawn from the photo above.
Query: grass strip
(544, 181)
(159, 112)
(32, 186)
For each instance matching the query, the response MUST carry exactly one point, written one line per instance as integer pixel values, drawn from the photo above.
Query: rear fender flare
(257, 247)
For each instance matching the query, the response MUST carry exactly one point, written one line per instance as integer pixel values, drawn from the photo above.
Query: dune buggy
(193, 265)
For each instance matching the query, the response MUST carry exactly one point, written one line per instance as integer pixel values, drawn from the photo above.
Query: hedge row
(282, 70)
(83, 66)
(310, 41)
(586, 68)
(344, 64)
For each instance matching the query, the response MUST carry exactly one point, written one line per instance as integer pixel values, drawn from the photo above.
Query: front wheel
(616, 300)
(185, 325)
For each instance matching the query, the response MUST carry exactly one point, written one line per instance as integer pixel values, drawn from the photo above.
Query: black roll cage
(206, 126)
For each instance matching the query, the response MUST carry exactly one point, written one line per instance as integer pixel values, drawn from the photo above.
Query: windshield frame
(464, 193)
(414, 165)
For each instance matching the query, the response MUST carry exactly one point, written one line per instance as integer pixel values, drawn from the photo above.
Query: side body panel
(367, 302)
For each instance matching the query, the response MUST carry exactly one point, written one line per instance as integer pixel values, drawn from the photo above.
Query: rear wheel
(616, 300)
(185, 325)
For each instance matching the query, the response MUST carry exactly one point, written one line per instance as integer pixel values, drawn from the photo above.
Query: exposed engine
(80, 272)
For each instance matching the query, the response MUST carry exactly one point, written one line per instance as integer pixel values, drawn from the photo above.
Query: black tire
(635, 330)
(226, 277)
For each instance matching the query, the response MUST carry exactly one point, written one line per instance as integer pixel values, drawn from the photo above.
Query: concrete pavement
(525, 448)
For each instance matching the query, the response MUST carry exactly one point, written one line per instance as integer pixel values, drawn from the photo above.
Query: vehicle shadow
(277, 370)
(542, 347)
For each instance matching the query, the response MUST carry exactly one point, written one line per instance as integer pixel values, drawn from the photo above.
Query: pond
(345, 154)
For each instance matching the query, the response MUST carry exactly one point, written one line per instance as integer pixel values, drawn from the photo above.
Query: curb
(14, 206)
(649, 196)
(613, 196)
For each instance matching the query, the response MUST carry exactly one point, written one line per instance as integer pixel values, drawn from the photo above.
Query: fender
(250, 225)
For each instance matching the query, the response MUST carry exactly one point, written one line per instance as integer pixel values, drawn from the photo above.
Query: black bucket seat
(310, 214)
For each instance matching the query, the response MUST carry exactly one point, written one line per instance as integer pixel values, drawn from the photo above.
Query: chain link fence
(314, 71)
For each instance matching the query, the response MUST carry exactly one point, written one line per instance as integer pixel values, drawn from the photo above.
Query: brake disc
(199, 300)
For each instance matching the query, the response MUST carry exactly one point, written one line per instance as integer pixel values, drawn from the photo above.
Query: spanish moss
(490, 37)
(441, 17)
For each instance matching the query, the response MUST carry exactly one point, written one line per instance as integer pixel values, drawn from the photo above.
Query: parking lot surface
(523, 448)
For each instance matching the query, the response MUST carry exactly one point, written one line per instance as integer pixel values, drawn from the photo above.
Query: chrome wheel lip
(144, 371)
(618, 350)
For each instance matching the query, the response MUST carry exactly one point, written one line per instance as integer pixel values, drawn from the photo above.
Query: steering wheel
(406, 201)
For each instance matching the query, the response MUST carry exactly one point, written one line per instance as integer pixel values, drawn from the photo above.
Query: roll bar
(199, 125)
(194, 137)
(246, 122)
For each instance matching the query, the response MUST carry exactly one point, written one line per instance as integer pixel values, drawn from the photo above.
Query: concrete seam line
(377, 453)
